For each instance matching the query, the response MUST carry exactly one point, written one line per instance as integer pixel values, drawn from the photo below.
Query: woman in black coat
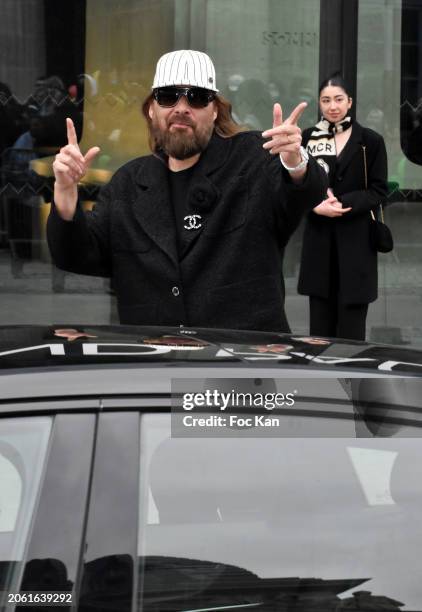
(338, 266)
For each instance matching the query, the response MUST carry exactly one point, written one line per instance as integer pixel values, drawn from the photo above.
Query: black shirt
(179, 183)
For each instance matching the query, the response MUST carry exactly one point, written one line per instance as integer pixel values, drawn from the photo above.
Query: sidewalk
(29, 297)
(395, 317)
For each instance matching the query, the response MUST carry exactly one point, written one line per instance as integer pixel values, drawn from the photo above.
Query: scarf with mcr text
(322, 145)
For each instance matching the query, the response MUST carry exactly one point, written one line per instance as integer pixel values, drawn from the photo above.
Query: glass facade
(94, 61)
(389, 95)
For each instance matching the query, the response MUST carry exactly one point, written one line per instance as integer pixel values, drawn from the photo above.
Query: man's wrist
(65, 201)
(301, 166)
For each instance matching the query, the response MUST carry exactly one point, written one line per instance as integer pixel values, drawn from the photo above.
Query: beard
(182, 143)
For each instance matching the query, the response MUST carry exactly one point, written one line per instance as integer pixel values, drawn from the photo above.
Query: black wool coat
(347, 236)
(230, 272)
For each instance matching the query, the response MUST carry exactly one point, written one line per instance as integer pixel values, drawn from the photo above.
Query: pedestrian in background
(338, 265)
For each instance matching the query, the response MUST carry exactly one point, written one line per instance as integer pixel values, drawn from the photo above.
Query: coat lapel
(153, 208)
(353, 147)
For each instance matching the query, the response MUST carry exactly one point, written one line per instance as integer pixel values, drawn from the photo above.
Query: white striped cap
(185, 67)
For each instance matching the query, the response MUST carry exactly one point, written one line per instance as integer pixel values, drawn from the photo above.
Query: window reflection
(373, 469)
(10, 494)
(260, 511)
(23, 447)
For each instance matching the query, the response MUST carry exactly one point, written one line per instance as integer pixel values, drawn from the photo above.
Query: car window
(23, 449)
(267, 522)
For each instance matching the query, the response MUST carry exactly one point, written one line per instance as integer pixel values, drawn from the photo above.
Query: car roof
(59, 346)
(101, 368)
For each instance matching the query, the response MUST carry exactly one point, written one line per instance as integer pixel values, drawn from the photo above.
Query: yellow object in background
(124, 39)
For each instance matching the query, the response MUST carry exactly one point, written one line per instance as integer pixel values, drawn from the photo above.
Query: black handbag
(380, 236)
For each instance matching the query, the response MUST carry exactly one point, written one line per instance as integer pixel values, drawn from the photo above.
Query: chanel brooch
(192, 222)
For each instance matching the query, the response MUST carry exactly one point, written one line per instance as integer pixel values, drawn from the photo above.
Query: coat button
(340, 178)
(175, 291)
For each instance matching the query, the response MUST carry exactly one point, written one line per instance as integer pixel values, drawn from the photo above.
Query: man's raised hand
(285, 136)
(70, 165)
(69, 168)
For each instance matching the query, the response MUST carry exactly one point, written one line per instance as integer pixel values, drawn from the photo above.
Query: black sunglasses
(197, 97)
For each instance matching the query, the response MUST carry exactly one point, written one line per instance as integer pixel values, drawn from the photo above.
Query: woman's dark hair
(336, 80)
(225, 125)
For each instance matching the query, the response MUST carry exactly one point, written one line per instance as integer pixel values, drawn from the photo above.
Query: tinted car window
(23, 449)
(269, 523)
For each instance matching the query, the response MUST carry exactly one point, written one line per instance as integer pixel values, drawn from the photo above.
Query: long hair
(224, 126)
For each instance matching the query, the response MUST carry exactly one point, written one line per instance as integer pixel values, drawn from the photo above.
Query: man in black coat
(193, 234)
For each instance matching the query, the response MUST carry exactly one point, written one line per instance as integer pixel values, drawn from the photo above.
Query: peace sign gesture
(69, 168)
(285, 136)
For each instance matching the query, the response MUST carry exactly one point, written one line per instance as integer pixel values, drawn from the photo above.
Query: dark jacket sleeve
(363, 200)
(82, 245)
(297, 198)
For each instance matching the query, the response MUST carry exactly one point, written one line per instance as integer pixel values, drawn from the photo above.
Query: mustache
(181, 120)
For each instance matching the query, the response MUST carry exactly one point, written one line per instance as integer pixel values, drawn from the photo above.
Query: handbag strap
(364, 166)
(366, 184)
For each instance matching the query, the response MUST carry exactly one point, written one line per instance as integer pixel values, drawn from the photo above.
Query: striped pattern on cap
(185, 67)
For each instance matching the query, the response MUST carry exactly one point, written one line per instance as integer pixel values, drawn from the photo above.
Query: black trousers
(330, 318)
